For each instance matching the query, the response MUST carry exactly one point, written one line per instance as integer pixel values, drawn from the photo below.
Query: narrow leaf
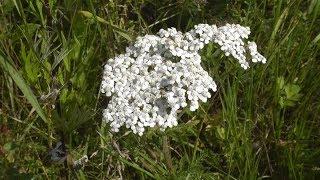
(23, 86)
(120, 31)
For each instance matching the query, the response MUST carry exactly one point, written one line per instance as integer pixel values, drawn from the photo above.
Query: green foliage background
(261, 123)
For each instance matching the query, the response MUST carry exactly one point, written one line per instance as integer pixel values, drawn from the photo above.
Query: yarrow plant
(160, 74)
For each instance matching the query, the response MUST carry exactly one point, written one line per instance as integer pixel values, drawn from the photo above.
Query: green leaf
(27, 31)
(280, 82)
(137, 167)
(289, 103)
(221, 132)
(31, 67)
(8, 5)
(292, 90)
(40, 11)
(23, 86)
(17, 6)
(61, 56)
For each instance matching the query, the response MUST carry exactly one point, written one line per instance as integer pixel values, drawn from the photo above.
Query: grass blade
(137, 167)
(6, 66)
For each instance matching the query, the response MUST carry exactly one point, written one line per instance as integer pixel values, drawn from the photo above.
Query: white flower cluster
(256, 56)
(160, 74)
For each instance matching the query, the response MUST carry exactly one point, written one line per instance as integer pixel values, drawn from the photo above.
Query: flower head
(160, 74)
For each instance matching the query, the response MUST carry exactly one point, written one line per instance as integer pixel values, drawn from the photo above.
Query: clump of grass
(261, 123)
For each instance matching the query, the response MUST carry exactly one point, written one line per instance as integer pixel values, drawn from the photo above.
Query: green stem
(167, 153)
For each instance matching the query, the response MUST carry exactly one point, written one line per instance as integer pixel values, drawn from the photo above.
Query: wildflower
(160, 74)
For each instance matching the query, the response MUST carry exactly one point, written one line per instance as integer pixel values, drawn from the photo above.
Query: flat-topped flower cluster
(160, 74)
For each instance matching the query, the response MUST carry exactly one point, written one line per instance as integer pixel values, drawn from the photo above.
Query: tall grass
(261, 123)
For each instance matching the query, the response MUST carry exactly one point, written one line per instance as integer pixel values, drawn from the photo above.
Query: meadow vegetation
(261, 123)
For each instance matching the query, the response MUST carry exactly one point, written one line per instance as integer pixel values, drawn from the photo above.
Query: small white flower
(159, 74)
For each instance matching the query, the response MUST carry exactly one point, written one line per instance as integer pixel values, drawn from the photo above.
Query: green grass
(261, 123)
